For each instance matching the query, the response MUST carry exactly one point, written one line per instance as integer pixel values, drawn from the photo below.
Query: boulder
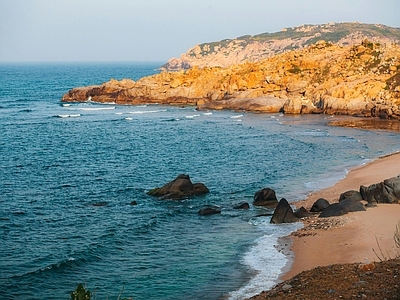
(302, 212)
(181, 187)
(387, 191)
(320, 205)
(243, 205)
(283, 213)
(355, 195)
(343, 207)
(265, 197)
(207, 211)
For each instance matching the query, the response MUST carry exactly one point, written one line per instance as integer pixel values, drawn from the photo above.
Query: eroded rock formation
(360, 80)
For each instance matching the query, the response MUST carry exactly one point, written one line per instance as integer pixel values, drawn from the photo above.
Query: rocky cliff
(362, 80)
(255, 48)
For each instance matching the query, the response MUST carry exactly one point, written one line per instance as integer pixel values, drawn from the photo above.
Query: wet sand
(362, 237)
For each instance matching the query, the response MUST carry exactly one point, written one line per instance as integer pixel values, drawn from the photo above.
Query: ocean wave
(264, 259)
(316, 133)
(67, 263)
(147, 111)
(68, 116)
(192, 116)
(236, 117)
(95, 108)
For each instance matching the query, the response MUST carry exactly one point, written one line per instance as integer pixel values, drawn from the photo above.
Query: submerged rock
(243, 205)
(207, 211)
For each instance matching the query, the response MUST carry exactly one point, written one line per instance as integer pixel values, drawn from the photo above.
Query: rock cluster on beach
(361, 80)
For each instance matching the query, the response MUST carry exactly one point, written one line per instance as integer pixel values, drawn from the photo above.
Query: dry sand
(363, 232)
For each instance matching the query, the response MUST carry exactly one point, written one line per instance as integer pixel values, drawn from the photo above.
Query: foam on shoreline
(297, 248)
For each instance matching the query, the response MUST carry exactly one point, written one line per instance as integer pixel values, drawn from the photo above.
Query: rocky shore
(361, 80)
(348, 257)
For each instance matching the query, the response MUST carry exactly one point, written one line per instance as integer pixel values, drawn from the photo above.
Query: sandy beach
(359, 234)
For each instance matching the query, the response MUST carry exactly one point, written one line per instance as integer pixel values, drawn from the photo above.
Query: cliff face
(255, 48)
(362, 80)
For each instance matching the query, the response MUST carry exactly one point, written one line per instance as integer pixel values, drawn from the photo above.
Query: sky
(156, 30)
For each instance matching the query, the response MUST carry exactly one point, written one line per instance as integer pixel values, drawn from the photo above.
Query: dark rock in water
(243, 205)
(283, 213)
(100, 204)
(265, 215)
(302, 212)
(265, 197)
(207, 211)
(343, 207)
(387, 191)
(181, 187)
(133, 203)
(354, 195)
(320, 205)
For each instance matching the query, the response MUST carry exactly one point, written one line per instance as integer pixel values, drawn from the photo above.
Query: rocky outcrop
(343, 207)
(360, 80)
(256, 48)
(181, 187)
(265, 197)
(352, 194)
(283, 213)
(302, 212)
(319, 205)
(387, 191)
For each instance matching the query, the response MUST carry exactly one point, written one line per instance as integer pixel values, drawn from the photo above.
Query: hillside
(258, 47)
(361, 80)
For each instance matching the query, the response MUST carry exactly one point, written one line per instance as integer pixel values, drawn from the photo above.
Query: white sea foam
(66, 104)
(236, 117)
(264, 259)
(207, 113)
(192, 116)
(69, 116)
(95, 108)
(118, 113)
(147, 111)
(128, 118)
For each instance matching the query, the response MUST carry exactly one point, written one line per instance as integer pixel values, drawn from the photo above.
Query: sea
(74, 179)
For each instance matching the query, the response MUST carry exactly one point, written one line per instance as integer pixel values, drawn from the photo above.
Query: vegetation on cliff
(258, 47)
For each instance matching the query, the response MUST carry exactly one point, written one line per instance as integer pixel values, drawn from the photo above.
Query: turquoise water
(58, 163)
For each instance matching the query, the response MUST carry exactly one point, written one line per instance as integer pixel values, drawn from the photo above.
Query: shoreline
(355, 237)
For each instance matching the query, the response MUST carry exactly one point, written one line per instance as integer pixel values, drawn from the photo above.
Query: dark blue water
(69, 173)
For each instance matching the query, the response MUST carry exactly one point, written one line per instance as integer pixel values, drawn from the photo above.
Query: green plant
(80, 293)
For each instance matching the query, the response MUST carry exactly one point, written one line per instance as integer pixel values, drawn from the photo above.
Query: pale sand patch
(356, 240)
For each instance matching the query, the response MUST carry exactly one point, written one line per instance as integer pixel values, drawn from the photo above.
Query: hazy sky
(156, 30)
